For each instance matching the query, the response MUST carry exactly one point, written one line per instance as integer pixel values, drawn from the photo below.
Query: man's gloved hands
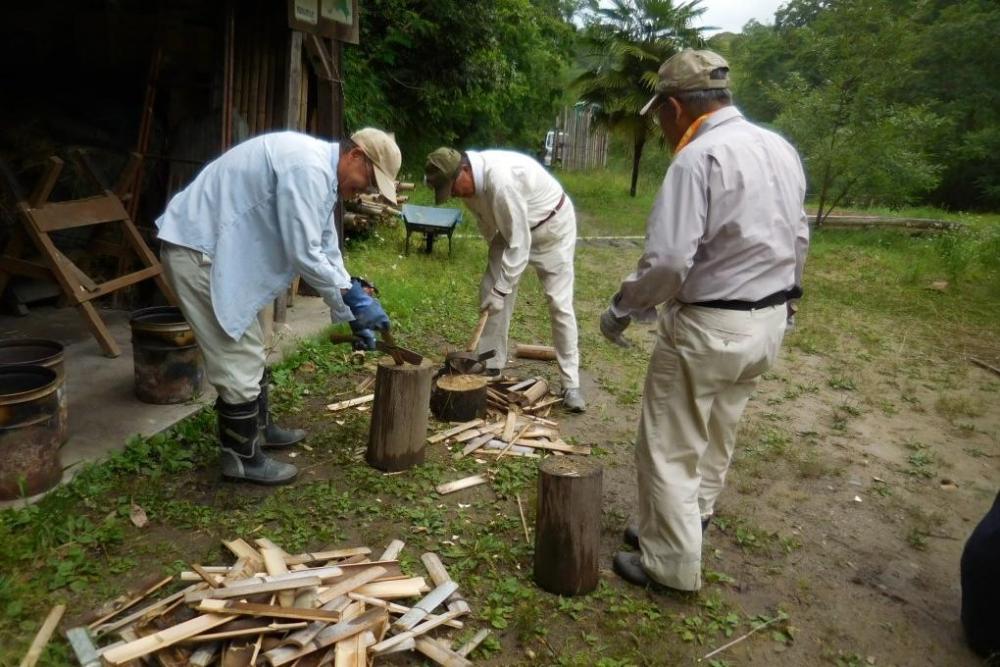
(493, 303)
(365, 338)
(367, 311)
(613, 327)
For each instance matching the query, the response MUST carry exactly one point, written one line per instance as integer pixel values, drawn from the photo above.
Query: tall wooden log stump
(568, 524)
(399, 415)
(459, 398)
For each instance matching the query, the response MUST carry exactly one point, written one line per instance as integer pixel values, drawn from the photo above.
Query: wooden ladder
(40, 217)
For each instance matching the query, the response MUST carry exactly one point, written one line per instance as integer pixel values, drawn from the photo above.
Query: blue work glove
(613, 327)
(365, 337)
(367, 310)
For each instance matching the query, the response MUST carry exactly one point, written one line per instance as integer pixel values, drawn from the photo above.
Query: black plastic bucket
(29, 431)
(168, 363)
(50, 354)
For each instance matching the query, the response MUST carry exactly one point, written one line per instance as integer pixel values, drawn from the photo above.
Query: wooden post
(540, 352)
(399, 415)
(459, 398)
(568, 524)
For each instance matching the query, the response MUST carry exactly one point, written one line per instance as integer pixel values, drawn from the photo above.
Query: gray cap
(686, 71)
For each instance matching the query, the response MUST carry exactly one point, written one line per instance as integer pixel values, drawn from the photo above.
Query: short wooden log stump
(399, 415)
(568, 524)
(459, 398)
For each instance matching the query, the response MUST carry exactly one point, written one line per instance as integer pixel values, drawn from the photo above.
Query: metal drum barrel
(29, 431)
(44, 353)
(168, 363)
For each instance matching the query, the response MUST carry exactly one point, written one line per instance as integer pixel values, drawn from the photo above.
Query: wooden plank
(476, 432)
(242, 549)
(424, 627)
(350, 403)
(352, 583)
(439, 575)
(396, 608)
(474, 445)
(234, 608)
(78, 213)
(473, 643)
(420, 610)
(393, 550)
(293, 82)
(251, 589)
(554, 446)
(116, 284)
(353, 652)
(509, 425)
(44, 633)
(317, 556)
(263, 629)
(441, 654)
(544, 404)
(459, 484)
(447, 433)
(392, 590)
(342, 606)
(146, 611)
(99, 330)
(164, 638)
(131, 602)
(274, 563)
(213, 580)
(286, 654)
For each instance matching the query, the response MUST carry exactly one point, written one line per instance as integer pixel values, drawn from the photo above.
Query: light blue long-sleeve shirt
(262, 212)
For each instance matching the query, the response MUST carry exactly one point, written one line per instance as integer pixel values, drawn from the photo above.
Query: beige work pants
(704, 367)
(233, 367)
(553, 245)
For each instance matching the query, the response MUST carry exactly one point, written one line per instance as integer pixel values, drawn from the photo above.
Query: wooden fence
(580, 142)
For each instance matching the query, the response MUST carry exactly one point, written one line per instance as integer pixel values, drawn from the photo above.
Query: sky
(732, 15)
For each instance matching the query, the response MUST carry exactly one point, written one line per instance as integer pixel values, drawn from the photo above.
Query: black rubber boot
(241, 437)
(274, 435)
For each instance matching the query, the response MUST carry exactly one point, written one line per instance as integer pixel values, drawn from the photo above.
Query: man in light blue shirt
(233, 240)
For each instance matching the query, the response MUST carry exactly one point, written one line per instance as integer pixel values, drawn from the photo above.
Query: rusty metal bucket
(29, 431)
(168, 363)
(44, 353)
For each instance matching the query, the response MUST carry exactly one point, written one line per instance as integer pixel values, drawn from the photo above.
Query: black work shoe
(274, 435)
(628, 566)
(492, 372)
(241, 457)
(631, 534)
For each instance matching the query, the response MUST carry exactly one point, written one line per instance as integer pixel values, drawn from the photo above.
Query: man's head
(691, 84)
(448, 172)
(370, 160)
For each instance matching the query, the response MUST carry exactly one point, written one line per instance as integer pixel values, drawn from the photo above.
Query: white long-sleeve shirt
(262, 212)
(727, 224)
(513, 194)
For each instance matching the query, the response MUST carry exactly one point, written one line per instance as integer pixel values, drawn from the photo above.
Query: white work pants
(703, 369)
(552, 247)
(233, 367)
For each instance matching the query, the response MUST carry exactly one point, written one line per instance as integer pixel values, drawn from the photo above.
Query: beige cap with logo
(686, 71)
(380, 147)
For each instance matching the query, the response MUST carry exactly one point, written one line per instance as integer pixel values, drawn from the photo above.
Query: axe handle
(474, 343)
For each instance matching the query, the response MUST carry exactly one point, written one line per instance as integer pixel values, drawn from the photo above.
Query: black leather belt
(776, 299)
(562, 200)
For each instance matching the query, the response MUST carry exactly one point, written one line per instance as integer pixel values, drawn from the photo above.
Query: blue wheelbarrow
(431, 221)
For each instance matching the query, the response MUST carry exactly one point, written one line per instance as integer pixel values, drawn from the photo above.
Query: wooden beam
(164, 638)
(233, 608)
(237, 591)
(43, 189)
(43, 636)
(78, 213)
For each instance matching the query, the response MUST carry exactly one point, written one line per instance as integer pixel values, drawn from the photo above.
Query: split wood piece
(392, 570)
(540, 352)
(509, 425)
(424, 627)
(459, 397)
(399, 415)
(510, 443)
(492, 429)
(284, 655)
(440, 653)
(520, 386)
(420, 610)
(131, 602)
(164, 638)
(351, 583)
(316, 556)
(191, 575)
(533, 394)
(473, 643)
(213, 580)
(524, 523)
(83, 647)
(543, 405)
(506, 450)
(350, 403)
(353, 560)
(439, 575)
(274, 563)
(154, 609)
(555, 446)
(365, 384)
(395, 589)
(393, 550)
(541, 420)
(43, 636)
(326, 573)
(261, 628)
(459, 484)
(243, 567)
(265, 543)
(447, 433)
(237, 654)
(206, 655)
(542, 432)
(394, 608)
(568, 525)
(341, 606)
(252, 589)
(474, 445)
(353, 652)
(266, 611)
(242, 549)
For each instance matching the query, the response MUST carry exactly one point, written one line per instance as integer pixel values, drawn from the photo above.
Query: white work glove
(613, 327)
(493, 303)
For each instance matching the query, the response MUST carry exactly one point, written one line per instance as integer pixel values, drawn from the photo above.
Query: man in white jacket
(526, 217)
(232, 241)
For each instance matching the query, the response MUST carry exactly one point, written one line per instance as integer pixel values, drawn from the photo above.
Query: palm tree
(625, 42)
